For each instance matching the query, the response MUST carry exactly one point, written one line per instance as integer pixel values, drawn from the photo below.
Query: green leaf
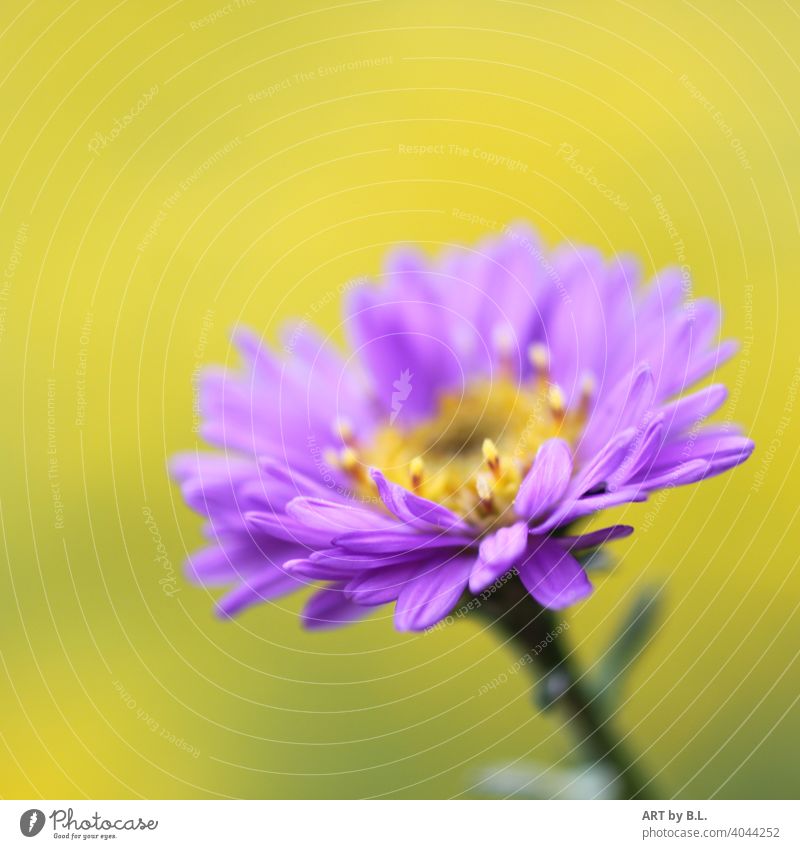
(633, 637)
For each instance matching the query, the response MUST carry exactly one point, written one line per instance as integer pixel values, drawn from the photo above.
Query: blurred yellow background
(170, 170)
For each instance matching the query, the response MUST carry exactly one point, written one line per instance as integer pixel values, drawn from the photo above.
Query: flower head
(492, 399)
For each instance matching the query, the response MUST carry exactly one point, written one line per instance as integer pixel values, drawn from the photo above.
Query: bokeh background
(169, 170)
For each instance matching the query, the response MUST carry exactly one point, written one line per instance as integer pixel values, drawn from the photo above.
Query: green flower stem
(538, 632)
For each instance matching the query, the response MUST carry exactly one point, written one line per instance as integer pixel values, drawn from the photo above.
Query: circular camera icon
(31, 822)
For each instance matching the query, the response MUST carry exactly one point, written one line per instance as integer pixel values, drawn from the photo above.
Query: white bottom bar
(405, 824)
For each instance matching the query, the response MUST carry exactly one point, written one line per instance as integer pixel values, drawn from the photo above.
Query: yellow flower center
(473, 454)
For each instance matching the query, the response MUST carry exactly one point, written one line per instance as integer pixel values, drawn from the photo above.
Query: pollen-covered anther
(492, 456)
(350, 462)
(416, 472)
(556, 401)
(344, 429)
(588, 387)
(522, 414)
(485, 492)
(539, 358)
(331, 458)
(503, 340)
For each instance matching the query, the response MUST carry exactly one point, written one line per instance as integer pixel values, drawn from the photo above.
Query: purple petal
(210, 497)
(283, 483)
(281, 526)
(590, 504)
(314, 570)
(705, 444)
(213, 484)
(412, 509)
(553, 576)
(703, 467)
(497, 554)
(577, 329)
(687, 411)
(331, 608)
(624, 407)
(232, 560)
(383, 542)
(266, 409)
(600, 468)
(722, 464)
(258, 357)
(641, 455)
(595, 538)
(340, 558)
(706, 321)
(380, 586)
(272, 584)
(334, 517)
(711, 361)
(547, 480)
(431, 595)
(681, 475)
(401, 328)
(664, 293)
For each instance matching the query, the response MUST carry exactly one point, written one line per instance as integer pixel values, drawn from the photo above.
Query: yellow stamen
(477, 478)
(491, 456)
(345, 431)
(350, 462)
(539, 358)
(556, 400)
(503, 340)
(587, 392)
(416, 469)
(331, 458)
(484, 489)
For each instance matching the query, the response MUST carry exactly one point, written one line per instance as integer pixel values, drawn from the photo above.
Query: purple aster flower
(492, 398)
